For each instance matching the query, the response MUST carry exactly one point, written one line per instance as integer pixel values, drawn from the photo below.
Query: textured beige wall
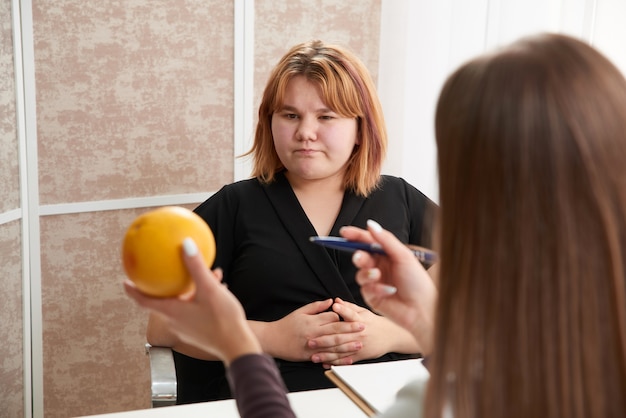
(280, 24)
(93, 335)
(9, 178)
(134, 99)
(11, 332)
(11, 322)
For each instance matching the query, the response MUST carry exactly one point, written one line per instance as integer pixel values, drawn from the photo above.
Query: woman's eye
(326, 117)
(291, 116)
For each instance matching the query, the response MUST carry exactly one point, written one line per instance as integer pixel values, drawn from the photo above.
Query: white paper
(378, 383)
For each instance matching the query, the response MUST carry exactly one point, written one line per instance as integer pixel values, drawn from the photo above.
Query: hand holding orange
(152, 250)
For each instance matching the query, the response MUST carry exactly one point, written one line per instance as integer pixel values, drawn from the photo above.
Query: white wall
(422, 41)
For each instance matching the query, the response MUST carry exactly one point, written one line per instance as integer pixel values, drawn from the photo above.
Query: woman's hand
(379, 336)
(396, 284)
(209, 317)
(288, 337)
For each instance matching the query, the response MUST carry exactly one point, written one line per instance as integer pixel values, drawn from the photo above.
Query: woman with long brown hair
(531, 316)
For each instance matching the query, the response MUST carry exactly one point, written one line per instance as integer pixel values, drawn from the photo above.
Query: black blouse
(262, 237)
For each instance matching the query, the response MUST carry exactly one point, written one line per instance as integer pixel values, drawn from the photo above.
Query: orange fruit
(152, 250)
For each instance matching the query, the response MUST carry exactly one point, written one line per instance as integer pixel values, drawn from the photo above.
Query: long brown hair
(532, 166)
(347, 88)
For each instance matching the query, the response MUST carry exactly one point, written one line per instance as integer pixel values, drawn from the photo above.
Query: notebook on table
(373, 386)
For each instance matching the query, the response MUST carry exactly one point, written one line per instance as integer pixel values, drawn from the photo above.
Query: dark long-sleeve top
(257, 387)
(262, 237)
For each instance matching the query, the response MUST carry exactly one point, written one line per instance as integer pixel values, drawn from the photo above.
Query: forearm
(401, 340)
(423, 332)
(423, 326)
(265, 336)
(159, 334)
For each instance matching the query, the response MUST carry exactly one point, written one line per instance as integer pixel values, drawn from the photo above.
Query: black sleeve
(424, 213)
(219, 212)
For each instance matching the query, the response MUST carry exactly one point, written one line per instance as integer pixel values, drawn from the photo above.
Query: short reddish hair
(347, 88)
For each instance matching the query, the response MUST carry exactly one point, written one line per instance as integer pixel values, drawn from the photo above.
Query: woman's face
(311, 140)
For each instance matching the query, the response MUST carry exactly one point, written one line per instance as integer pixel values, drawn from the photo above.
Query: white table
(332, 402)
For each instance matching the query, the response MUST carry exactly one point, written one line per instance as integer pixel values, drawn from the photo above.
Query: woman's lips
(306, 151)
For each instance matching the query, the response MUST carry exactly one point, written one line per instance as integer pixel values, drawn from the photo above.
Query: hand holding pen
(426, 256)
(395, 285)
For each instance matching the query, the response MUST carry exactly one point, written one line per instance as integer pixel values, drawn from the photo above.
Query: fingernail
(357, 256)
(390, 290)
(315, 359)
(189, 247)
(374, 225)
(373, 274)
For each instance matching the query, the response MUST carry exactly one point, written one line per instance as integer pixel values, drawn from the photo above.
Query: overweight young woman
(318, 150)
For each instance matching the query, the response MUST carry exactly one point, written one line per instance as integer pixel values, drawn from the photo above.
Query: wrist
(262, 331)
(241, 345)
(423, 332)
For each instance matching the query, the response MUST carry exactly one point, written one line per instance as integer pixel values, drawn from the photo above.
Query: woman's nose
(307, 129)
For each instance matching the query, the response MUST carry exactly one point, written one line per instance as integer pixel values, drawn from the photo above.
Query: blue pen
(423, 254)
